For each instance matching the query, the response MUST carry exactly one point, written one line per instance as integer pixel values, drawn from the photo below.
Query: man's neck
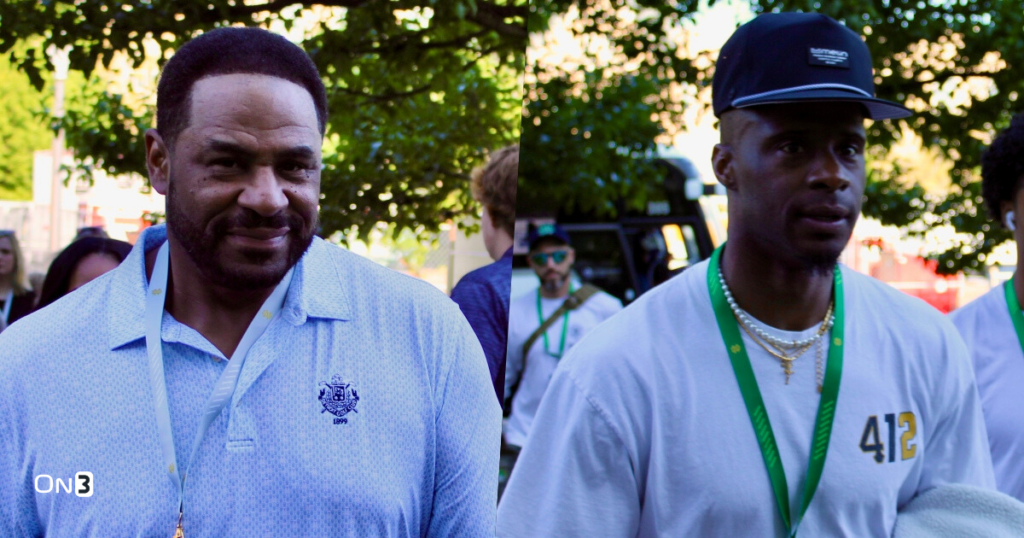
(220, 314)
(501, 243)
(556, 294)
(784, 295)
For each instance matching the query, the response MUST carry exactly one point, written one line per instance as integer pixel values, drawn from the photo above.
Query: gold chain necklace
(785, 357)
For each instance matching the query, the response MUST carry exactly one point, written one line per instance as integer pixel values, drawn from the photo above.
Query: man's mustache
(252, 219)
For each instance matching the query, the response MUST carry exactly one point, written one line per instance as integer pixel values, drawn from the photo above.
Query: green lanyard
(755, 404)
(565, 326)
(1015, 314)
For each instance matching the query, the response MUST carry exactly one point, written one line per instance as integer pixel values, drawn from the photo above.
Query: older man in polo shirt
(236, 376)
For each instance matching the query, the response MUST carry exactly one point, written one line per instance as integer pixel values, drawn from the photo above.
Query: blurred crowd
(91, 254)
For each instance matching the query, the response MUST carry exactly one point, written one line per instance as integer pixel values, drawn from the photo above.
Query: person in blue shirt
(483, 294)
(236, 375)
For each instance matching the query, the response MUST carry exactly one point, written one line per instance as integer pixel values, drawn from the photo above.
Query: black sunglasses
(541, 258)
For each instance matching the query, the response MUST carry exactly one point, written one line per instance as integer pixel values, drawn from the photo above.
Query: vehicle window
(600, 260)
(681, 243)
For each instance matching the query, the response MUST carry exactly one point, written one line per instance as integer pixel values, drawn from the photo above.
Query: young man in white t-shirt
(708, 406)
(991, 327)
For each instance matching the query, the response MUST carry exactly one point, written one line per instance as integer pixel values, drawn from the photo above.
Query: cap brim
(877, 109)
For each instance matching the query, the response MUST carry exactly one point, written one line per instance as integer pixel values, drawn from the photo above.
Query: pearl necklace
(797, 347)
(746, 320)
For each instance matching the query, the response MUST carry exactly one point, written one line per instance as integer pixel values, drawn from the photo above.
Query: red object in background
(916, 276)
(95, 219)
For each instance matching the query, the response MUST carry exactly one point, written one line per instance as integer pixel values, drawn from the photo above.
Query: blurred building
(115, 204)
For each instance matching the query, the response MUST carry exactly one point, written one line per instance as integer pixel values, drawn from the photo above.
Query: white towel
(959, 511)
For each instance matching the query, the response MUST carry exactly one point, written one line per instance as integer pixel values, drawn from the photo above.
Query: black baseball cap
(795, 57)
(546, 231)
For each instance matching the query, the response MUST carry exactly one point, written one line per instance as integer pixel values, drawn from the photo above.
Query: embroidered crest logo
(339, 398)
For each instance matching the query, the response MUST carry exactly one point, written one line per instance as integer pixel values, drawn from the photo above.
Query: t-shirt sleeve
(574, 477)
(468, 426)
(957, 452)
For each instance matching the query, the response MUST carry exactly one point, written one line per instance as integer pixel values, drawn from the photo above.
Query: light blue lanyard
(225, 387)
(7, 306)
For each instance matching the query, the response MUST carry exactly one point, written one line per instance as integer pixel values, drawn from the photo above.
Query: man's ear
(158, 161)
(721, 163)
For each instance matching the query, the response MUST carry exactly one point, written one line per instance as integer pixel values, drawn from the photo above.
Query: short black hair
(226, 51)
(58, 277)
(1002, 167)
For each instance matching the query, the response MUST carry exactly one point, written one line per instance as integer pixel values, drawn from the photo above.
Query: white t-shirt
(541, 362)
(999, 367)
(643, 431)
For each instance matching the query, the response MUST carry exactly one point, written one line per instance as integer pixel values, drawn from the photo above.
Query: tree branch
(492, 17)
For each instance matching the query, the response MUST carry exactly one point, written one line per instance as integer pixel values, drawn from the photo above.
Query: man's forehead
(548, 245)
(248, 113)
(261, 99)
(846, 115)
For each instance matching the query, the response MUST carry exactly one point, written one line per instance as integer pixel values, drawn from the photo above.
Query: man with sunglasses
(528, 370)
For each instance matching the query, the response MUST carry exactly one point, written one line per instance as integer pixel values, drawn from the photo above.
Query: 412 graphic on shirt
(870, 440)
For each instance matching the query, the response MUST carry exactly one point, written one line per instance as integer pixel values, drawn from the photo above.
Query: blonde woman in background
(16, 299)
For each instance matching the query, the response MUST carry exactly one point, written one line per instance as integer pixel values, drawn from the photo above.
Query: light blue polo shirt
(417, 456)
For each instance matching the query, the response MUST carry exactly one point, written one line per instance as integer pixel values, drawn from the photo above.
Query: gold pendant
(179, 533)
(787, 366)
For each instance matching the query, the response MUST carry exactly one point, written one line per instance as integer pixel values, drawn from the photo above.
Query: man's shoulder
(604, 302)
(494, 278)
(525, 301)
(624, 343)
(367, 281)
(59, 333)
(881, 313)
(490, 273)
(889, 303)
(990, 304)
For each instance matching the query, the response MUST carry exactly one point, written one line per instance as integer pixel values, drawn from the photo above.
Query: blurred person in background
(35, 281)
(545, 325)
(17, 299)
(992, 325)
(483, 293)
(81, 262)
(90, 231)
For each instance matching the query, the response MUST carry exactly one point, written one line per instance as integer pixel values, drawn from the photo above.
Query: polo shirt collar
(317, 289)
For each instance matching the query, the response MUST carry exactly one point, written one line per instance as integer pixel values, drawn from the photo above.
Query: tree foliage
(419, 90)
(21, 133)
(954, 62)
